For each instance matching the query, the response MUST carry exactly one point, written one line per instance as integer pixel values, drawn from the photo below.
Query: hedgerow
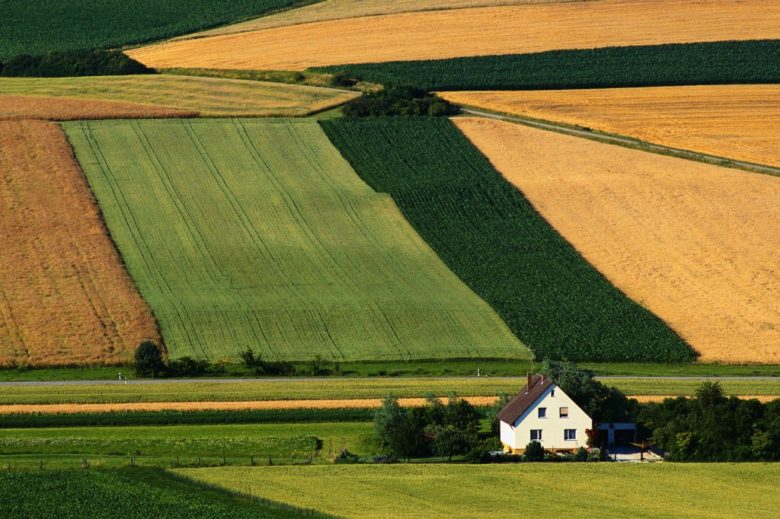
(724, 62)
(73, 63)
(492, 238)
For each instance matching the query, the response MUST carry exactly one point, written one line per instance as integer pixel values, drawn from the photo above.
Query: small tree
(534, 451)
(448, 440)
(149, 360)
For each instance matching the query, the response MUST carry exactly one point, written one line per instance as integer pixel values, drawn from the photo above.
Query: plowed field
(169, 94)
(473, 32)
(64, 296)
(695, 244)
(740, 122)
(257, 233)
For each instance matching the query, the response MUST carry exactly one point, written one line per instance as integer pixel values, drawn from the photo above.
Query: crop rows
(250, 233)
(41, 26)
(104, 494)
(725, 62)
(491, 237)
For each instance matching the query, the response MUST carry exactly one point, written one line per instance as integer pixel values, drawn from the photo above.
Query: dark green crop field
(649, 65)
(41, 26)
(97, 494)
(493, 239)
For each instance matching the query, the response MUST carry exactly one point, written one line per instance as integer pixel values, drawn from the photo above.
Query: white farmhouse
(543, 412)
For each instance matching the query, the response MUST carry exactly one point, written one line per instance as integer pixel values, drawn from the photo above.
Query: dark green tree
(534, 451)
(149, 360)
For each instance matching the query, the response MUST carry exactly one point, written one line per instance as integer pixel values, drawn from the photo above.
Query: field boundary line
(622, 140)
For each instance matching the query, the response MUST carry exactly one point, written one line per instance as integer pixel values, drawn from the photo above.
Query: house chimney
(530, 379)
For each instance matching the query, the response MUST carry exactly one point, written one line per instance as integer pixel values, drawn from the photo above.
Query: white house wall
(519, 434)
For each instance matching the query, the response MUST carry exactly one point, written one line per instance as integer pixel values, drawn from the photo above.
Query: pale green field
(337, 389)
(714, 490)
(257, 233)
(207, 96)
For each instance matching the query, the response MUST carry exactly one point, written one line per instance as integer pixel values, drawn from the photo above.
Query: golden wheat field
(695, 244)
(64, 296)
(171, 94)
(17, 107)
(340, 9)
(258, 405)
(464, 32)
(740, 122)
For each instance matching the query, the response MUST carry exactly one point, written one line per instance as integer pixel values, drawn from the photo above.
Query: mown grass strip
(257, 233)
(491, 237)
(41, 26)
(724, 62)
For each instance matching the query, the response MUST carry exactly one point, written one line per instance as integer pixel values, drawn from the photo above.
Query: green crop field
(491, 237)
(206, 96)
(650, 65)
(528, 489)
(108, 494)
(171, 445)
(257, 233)
(336, 389)
(41, 26)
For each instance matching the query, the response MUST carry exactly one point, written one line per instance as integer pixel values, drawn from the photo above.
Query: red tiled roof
(524, 399)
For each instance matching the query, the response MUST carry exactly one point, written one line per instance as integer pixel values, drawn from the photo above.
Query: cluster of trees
(406, 101)
(436, 428)
(73, 63)
(713, 427)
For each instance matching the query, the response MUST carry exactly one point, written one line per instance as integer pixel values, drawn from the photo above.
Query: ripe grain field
(64, 297)
(690, 490)
(176, 95)
(21, 107)
(491, 236)
(694, 243)
(340, 9)
(260, 235)
(739, 122)
(462, 32)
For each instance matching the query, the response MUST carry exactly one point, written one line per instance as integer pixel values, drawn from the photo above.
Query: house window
(536, 435)
(542, 412)
(552, 393)
(564, 412)
(570, 434)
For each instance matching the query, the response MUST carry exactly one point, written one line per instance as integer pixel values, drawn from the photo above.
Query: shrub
(255, 362)
(149, 360)
(534, 451)
(406, 101)
(581, 454)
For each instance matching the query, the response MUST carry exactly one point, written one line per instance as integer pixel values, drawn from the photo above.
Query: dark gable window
(542, 412)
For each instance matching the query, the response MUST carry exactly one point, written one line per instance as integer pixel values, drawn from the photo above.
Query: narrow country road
(627, 142)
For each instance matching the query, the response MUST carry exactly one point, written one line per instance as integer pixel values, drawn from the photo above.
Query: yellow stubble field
(696, 244)
(19, 107)
(464, 32)
(64, 296)
(739, 122)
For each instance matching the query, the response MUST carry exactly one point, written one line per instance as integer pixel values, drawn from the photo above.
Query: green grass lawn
(165, 446)
(257, 233)
(342, 388)
(108, 494)
(527, 490)
(488, 233)
(41, 26)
